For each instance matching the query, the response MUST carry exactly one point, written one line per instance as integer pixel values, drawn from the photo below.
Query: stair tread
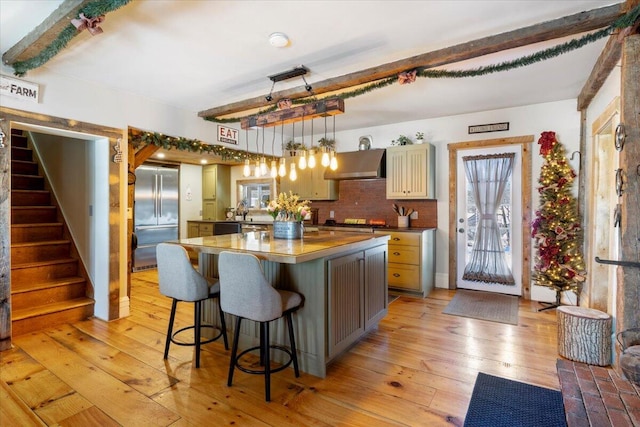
(46, 284)
(41, 243)
(23, 175)
(55, 307)
(37, 224)
(34, 207)
(15, 266)
(29, 191)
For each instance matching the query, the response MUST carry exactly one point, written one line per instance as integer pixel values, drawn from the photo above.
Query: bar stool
(246, 293)
(181, 282)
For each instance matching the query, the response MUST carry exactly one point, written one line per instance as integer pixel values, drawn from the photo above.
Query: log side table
(584, 335)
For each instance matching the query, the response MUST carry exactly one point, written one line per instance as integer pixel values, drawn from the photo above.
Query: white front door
(509, 219)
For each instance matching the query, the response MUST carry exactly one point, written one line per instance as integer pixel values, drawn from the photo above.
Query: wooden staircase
(48, 283)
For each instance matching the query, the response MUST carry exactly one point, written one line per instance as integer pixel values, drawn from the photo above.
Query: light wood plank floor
(418, 368)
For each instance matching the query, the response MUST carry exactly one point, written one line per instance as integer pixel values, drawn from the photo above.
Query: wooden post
(584, 335)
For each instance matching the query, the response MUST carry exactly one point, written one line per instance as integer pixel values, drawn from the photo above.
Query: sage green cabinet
(311, 184)
(411, 266)
(411, 172)
(216, 191)
(357, 292)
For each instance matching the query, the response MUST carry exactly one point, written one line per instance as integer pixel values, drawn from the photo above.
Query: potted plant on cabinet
(402, 140)
(419, 137)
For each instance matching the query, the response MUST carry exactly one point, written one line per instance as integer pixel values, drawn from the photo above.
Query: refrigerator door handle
(155, 197)
(160, 196)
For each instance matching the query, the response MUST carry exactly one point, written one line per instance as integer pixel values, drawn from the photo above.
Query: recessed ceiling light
(160, 155)
(204, 161)
(278, 39)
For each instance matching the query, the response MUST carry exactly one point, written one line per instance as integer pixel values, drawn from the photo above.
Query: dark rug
(499, 402)
(484, 305)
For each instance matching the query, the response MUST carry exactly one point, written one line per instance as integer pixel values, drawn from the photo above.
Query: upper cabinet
(411, 172)
(216, 191)
(311, 185)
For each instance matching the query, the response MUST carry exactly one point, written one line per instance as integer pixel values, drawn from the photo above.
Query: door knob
(460, 230)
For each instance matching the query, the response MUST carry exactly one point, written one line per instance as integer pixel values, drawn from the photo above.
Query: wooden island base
(342, 276)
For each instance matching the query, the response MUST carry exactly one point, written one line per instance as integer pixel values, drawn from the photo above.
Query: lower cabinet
(411, 261)
(357, 288)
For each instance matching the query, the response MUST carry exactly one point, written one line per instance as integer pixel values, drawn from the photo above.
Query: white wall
(190, 195)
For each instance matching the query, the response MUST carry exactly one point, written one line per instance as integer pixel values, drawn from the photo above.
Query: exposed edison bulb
(312, 159)
(333, 164)
(246, 171)
(274, 169)
(282, 170)
(325, 161)
(293, 175)
(302, 163)
(263, 166)
(257, 171)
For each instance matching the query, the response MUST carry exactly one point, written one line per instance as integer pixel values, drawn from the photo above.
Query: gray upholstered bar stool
(246, 293)
(181, 282)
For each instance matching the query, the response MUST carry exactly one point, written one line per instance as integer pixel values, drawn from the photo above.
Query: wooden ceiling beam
(608, 59)
(561, 27)
(143, 154)
(330, 107)
(45, 33)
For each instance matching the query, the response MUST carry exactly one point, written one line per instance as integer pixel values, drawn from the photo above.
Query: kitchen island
(342, 277)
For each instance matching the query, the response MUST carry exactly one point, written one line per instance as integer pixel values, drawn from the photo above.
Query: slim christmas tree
(557, 232)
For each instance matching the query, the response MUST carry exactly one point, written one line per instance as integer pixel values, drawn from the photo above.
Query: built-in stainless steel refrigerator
(155, 212)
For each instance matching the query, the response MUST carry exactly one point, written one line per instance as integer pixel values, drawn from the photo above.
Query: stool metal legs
(265, 356)
(197, 327)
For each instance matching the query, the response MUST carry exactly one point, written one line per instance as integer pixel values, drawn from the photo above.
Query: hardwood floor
(418, 368)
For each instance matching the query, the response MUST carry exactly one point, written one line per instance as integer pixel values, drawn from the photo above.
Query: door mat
(499, 402)
(484, 306)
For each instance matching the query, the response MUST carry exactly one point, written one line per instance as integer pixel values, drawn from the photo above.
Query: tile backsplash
(368, 199)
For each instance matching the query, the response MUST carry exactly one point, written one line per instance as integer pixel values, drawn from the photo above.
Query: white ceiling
(201, 54)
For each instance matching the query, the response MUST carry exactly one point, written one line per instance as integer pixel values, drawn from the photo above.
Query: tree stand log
(584, 335)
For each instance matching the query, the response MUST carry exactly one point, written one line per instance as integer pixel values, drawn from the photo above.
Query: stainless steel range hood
(364, 164)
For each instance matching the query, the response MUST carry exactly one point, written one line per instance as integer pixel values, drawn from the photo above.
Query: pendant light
(246, 171)
(282, 169)
(325, 161)
(274, 167)
(333, 163)
(263, 160)
(293, 175)
(311, 162)
(302, 161)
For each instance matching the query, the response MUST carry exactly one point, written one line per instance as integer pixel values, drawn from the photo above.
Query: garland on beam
(140, 139)
(623, 22)
(92, 10)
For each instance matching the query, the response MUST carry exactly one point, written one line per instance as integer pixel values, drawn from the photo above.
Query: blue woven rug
(499, 402)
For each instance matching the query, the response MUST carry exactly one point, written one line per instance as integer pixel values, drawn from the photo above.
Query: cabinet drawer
(404, 239)
(206, 230)
(404, 276)
(404, 254)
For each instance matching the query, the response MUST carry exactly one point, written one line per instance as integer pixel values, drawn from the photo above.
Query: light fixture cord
(334, 132)
(273, 144)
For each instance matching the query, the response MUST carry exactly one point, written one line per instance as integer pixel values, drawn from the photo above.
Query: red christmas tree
(557, 231)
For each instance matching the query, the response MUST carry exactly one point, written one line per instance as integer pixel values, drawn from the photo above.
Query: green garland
(139, 140)
(91, 10)
(552, 52)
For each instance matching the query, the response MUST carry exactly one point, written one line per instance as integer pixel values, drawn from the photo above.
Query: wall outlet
(414, 215)
(331, 214)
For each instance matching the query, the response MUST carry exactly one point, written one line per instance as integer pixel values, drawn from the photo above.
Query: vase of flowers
(288, 211)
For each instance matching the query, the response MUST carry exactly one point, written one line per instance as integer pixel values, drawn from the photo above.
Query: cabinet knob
(396, 253)
(396, 275)
(396, 238)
